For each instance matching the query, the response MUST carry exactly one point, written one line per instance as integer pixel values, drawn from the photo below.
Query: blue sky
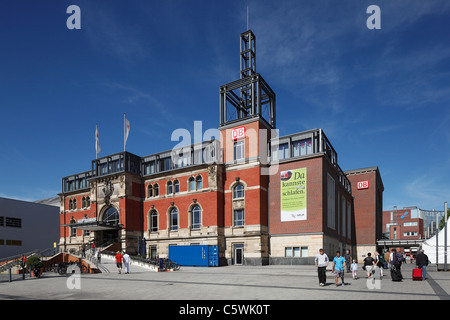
(381, 96)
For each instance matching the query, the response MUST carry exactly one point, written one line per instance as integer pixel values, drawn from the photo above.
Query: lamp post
(445, 236)
(437, 240)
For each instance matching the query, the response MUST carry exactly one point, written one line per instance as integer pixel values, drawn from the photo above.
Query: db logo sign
(362, 185)
(238, 133)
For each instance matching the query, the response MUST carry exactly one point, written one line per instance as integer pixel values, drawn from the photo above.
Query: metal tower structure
(249, 97)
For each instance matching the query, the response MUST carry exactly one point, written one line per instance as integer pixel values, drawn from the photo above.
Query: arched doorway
(110, 220)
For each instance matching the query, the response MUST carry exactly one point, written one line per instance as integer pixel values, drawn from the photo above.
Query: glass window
(283, 151)
(88, 201)
(331, 209)
(111, 216)
(239, 217)
(302, 147)
(238, 191)
(174, 219)
(304, 252)
(176, 185)
(191, 184)
(156, 189)
(199, 183)
(149, 191)
(169, 187)
(288, 252)
(239, 150)
(153, 221)
(196, 217)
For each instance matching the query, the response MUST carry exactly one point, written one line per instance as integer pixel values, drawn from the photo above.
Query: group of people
(123, 261)
(339, 263)
(372, 265)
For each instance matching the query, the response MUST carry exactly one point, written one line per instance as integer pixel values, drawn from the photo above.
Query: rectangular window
(288, 252)
(174, 221)
(154, 222)
(302, 147)
(239, 217)
(304, 251)
(283, 151)
(2, 221)
(13, 222)
(349, 213)
(331, 203)
(239, 150)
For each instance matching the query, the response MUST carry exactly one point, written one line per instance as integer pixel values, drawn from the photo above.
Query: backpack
(398, 259)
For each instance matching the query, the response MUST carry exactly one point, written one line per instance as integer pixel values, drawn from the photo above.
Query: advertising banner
(293, 195)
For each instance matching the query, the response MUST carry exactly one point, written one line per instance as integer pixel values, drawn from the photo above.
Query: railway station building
(261, 198)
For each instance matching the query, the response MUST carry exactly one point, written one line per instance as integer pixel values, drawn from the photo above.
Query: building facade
(259, 197)
(27, 226)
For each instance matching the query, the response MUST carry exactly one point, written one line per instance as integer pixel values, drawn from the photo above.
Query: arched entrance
(110, 221)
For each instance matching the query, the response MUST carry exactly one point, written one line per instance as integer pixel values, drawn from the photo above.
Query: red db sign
(238, 133)
(362, 185)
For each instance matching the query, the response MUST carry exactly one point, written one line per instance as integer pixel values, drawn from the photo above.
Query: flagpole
(124, 132)
(96, 130)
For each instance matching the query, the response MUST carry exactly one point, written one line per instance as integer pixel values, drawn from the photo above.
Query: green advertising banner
(293, 195)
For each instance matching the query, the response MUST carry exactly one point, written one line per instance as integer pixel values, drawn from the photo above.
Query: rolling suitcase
(396, 275)
(417, 274)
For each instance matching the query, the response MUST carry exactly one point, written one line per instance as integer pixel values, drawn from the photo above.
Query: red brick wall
(367, 207)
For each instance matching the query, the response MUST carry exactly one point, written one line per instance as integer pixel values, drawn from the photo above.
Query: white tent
(429, 246)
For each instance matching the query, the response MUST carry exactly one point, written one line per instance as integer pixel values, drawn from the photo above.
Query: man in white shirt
(126, 262)
(321, 262)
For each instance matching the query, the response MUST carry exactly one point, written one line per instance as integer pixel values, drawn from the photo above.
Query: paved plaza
(223, 283)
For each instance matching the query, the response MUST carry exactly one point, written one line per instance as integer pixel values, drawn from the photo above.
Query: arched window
(156, 189)
(74, 205)
(88, 201)
(199, 181)
(176, 186)
(196, 217)
(169, 187)
(111, 216)
(238, 191)
(191, 184)
(153, 221)
(83, 202)
(174, 219)
(70, 204)
(149, 191)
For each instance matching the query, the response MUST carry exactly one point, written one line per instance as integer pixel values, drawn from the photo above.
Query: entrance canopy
(95, 226)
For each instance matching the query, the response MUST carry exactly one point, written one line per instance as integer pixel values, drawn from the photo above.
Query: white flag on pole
(98, 149)
(126, 131)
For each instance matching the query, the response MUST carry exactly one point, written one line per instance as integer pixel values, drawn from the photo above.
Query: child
(354, 270)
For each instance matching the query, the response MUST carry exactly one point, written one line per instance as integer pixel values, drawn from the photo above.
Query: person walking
(422, 262)
(126, 262)
(348, 260)
(354, 270)
(99, 256)
(321, 262)
(119, 259)
(379, 263)
(369, 265)
(338, 268)
(397, 259)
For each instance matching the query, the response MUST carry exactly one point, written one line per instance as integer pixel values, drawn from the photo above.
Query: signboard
(238, 133)
(86, 220)
(362, 185)
(293, 195)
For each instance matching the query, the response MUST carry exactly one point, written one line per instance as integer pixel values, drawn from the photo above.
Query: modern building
(259, 197)
(27, 226)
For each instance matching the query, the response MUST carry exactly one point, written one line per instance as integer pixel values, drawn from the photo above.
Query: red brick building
(259, 197)
(399, 224)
